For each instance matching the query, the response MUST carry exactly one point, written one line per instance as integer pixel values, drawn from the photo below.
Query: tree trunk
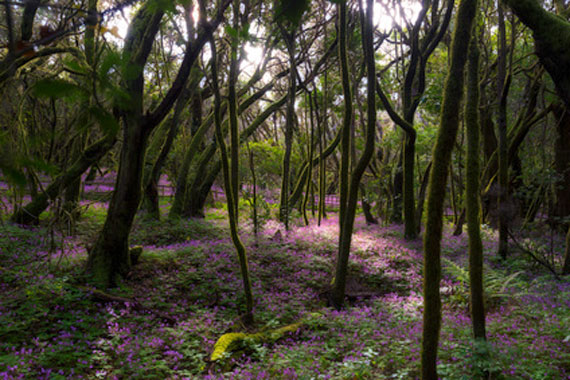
(30, 213)
(566, 266)
(289, 126)
(232, 214)
(562, 162)
(447, 134)
(202, 184)
(347, 111)
(347, 224)
(398, 191)
(410, 231)
(472, 190)
(551, 37)
(502, 91)
(109, 258)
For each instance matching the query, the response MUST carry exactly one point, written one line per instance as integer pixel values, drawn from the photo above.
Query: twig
(531, 254)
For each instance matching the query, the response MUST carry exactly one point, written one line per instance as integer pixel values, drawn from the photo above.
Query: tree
(472, 188)
(502, 92)
(347, 218)
(447, 133)
(109, 257)
(229, 183)
(421, 48)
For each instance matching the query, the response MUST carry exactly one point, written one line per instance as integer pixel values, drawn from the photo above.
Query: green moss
(230, 342)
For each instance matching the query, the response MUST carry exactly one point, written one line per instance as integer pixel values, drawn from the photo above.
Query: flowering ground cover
(186, 292)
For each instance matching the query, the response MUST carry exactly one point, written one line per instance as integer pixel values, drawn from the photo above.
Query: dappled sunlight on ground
(187, 291)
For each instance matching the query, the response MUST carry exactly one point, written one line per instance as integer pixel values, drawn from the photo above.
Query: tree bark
(347, 223)
(551, 37)
(472, 190)
(347, 111)
(566, 265)
(109, 259)
(291, 121)
(232, 214)
(503, 183)
(562, 162)
(447, 134)
(30, 213)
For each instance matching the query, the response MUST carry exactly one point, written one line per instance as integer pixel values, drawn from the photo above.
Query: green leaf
(40, 165)
(292, 10)
(231, 31)
(57, 88)
(106, 120)
(75, 66)
(109, 60)
(244, 32)
(13, 175)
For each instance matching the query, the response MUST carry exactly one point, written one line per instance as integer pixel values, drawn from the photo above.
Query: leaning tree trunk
(202, 184)
(152, 177)
(552, 41)
(232, 213)
(30, 213)
(347, 223)
(447, 133)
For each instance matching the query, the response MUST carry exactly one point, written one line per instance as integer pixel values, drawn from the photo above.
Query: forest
(285, 189)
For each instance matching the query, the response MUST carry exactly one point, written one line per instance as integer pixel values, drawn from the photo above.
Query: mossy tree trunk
(562, 162)
(109, 257)
(152, 175)
(552, 41)
(201, 185)
(322, 135)
(232, 214)
(347, 111)
(309, 184)
(449, 123)
(472, 190)
(421, 48)
(233, 112)
(502, 90)
(30, 213)
(290, 123)
(347, 223)
(566, 265)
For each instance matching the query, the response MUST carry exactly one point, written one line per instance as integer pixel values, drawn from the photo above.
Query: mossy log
(235, 341)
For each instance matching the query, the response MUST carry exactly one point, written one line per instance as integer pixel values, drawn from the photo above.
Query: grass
(186, 293)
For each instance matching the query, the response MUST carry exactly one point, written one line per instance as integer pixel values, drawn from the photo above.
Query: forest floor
(186, 292)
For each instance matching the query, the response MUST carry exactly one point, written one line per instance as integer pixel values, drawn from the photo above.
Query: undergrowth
(186, 292)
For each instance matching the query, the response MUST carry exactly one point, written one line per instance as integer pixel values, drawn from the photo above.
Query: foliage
(48, 324)
(495, 283)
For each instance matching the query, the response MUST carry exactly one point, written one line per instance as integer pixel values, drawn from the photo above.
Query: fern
(495, 283)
